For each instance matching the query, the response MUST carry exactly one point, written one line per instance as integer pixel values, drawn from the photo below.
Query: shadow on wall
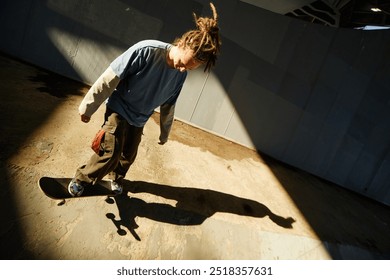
(78, 39)
(313, 97)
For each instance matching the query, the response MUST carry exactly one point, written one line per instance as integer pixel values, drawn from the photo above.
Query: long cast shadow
(193, 206)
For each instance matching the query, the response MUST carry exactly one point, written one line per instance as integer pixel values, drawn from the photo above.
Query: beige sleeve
(99, 92)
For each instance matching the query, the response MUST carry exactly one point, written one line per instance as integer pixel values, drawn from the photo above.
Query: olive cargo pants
(117, 152)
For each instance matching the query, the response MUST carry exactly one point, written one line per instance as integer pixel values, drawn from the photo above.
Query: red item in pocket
(96, 142)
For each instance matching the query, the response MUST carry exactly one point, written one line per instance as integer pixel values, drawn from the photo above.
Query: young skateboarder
(149, 74)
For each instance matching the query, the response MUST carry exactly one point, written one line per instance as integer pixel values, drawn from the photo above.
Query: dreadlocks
(204, 40)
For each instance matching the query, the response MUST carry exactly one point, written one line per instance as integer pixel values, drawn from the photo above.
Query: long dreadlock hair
(204, 41)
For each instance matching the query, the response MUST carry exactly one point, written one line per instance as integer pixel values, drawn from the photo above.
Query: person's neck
(169, 58)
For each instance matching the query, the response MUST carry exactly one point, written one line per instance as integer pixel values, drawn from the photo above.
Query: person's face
(182, 59)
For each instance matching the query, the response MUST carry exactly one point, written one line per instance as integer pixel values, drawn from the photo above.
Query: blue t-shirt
(146, 81)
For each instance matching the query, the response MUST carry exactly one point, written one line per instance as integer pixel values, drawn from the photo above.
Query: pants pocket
(108, 145)
(97, 141)
(104, 140)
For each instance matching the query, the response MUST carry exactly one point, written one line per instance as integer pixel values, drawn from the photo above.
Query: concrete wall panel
(213, 109)
(191, 93)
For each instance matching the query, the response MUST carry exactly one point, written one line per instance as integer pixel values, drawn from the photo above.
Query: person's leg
(132, 139)
(99, 165)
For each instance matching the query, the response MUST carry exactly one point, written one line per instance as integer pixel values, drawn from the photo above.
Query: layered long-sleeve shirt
(136, 83)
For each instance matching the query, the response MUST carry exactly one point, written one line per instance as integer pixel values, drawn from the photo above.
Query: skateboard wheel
(110, 216)
(109, 200)
(62, 202)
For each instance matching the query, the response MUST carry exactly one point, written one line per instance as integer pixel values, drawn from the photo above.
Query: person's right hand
(85, 118)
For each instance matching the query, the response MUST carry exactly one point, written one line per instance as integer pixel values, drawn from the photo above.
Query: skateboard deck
(57, 188)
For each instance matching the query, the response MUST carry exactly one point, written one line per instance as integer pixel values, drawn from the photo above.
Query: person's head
(199, 46)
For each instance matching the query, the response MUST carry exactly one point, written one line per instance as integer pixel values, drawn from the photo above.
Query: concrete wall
(314, 97)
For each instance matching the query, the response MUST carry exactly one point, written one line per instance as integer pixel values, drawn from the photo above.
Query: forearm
(98, 93)
(167, 112)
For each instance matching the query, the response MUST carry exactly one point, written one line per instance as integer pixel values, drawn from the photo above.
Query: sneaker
(74, 188)
(116, 188)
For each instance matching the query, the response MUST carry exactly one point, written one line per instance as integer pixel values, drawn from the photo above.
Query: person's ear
(180, 44)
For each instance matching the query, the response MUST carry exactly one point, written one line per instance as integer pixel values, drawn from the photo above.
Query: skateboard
(57, 189)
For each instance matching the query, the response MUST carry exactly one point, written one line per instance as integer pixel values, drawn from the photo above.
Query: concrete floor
(197, 197)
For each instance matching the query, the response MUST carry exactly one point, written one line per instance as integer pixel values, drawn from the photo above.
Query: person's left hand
(85, 118)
